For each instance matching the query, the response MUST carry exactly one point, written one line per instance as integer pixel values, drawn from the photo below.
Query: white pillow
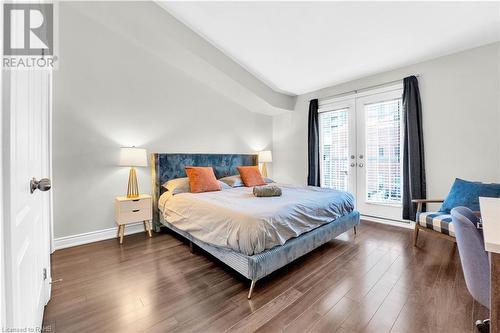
(181, 185)
(235, 181)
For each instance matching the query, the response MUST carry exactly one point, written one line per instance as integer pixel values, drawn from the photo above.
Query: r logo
(28, 29)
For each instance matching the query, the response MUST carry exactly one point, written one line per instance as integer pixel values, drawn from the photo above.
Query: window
(334, 149)
(383, 134)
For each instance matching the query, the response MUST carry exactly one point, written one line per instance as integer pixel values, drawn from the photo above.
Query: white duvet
(235, 219)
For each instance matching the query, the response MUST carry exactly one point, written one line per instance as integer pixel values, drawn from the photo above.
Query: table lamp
(265, 156)
(133, 157)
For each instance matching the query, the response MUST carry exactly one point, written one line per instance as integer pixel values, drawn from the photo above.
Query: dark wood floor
(375, 281)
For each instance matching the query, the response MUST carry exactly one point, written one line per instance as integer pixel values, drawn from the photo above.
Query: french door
(360, 150)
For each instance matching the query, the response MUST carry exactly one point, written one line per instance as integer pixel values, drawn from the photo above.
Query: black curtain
(313, 145)
(414, 185)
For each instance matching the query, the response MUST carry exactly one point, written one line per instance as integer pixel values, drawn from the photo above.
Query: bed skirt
(259, 265)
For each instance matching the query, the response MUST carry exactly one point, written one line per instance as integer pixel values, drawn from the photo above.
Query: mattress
(237, 220)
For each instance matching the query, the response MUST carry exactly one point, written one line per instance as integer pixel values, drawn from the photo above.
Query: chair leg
(354, 230)
(415, 234)
(251, 289)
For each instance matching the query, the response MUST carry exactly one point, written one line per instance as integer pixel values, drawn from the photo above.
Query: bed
(254, 236)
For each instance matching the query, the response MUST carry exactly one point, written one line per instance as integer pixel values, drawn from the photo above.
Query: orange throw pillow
(202, 179)
(250, 175)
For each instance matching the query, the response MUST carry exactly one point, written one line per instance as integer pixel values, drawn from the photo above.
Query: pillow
(235, 181)
(202, 179)
(250, 175)
(181, 185)
(465, 193)
(223, 185)
(177, 185)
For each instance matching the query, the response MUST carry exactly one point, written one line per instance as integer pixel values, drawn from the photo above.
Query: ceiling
(298, 47)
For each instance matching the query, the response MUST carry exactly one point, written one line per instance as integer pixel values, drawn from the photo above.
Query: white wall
(460, 100)
(109, 92)
(146, 25)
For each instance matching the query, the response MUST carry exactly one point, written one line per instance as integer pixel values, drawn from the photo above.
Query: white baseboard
(95, 236)
(401, 224)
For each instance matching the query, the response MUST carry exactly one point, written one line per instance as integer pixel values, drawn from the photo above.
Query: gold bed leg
(251, 289)
(355, 230)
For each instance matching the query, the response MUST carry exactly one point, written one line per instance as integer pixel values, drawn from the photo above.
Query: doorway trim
(2, 211)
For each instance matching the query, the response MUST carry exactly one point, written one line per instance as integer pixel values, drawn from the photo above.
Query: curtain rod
(355, 91)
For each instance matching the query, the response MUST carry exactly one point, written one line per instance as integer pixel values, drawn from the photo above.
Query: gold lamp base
(132, 188)
(264, 170)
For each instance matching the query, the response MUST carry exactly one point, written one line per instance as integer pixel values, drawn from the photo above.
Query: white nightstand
(132, 210)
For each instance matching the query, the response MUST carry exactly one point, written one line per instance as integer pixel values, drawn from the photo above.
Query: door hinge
(45, 273)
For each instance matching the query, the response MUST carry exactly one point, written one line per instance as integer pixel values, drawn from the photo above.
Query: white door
(360, 149)
(379, 138)
(26, 119)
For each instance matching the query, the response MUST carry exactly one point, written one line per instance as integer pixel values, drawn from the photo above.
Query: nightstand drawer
(135, 215)
(134, 204)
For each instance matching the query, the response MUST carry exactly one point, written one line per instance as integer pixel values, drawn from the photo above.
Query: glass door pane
(383, 147)
(334, 149)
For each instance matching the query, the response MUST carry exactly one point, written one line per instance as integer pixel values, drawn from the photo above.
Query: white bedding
(235, 219)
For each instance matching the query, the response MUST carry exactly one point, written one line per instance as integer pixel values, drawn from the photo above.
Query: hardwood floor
(375, 281)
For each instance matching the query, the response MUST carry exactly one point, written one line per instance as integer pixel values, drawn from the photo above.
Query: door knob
(42, 184)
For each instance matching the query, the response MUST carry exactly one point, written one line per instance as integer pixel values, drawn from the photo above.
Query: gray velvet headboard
(169, 166)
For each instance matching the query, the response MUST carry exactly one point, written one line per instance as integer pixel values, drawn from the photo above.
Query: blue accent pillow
(465, 193)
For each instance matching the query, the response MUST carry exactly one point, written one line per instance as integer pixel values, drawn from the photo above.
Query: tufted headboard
(169, 166)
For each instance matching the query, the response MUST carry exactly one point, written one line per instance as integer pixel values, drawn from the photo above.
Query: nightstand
(132, 210)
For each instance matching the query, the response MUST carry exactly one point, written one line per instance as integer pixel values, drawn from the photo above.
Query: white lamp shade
(265, 156)
(133, 157)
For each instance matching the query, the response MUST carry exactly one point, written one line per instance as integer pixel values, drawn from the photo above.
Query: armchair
(462, 193)
(437, 223)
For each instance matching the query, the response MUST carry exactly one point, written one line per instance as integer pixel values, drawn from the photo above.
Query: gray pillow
(181, 185)
(235, 181)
